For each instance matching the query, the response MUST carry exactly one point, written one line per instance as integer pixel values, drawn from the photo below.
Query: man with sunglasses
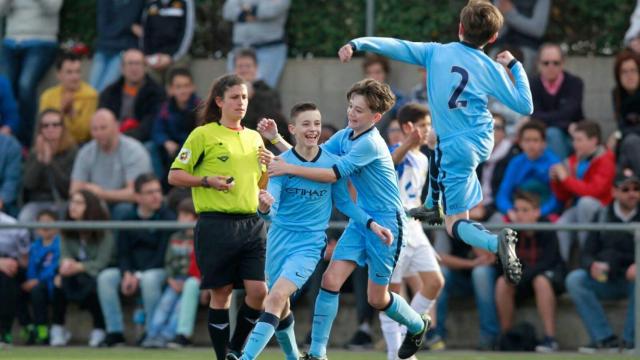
(557, 98)
(608, 270)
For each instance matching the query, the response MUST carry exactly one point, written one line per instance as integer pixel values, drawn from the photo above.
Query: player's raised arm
(269, 129)
(406, 51)
(516, 96)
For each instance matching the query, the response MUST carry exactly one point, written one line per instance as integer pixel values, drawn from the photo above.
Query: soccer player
(417, 256)
(461, 77)
(299, 210)
(366, 161)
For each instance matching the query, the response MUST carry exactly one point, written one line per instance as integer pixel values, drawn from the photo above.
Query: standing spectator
(44, 258)
(557, 98)
(264, 100)
(108, 165)
(525, 22)
(583, 182)
(14, 256)
(28, 49)
(74, 98)
(167, 31)
(529, 171)
(84, 253)
(10, 173)
(9, 117)
(135, 98)
(260, 25)
(626, 108)
(542, 272)
(164, 321)
(140, 256)
(175, 120)
(47, 171)
(117, 24)
(608, 270)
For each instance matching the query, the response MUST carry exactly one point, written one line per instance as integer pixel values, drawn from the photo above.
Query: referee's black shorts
(229, 248)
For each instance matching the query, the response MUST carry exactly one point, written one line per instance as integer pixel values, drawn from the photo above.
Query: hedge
(319, 27)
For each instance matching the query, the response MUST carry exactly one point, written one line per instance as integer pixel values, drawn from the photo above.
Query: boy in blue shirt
(461, 77)
(366, 161)
(299, 210)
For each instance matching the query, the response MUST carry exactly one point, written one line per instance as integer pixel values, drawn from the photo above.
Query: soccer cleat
(413, 342)
(307, 356)
(511, 266)
(432, 216)
(609, 345)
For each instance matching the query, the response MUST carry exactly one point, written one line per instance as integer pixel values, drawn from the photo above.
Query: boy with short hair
(299, 209)
(366, 161)
(461, 77)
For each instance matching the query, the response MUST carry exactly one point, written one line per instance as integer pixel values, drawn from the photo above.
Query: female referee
(221, 162)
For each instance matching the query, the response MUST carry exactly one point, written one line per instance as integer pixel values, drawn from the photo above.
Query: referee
(220, 162)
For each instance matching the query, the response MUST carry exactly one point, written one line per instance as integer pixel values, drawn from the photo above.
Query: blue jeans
(165, 317)
(271, 61)
(105, 69)
(150, 286)
(481, 284)
(559, 142)
(25, 63)
(188, 306)
(585, 292)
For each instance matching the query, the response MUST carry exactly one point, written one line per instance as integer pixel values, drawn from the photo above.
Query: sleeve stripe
(336, 171)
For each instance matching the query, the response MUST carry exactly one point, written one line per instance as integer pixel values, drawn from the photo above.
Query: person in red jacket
(583, 182)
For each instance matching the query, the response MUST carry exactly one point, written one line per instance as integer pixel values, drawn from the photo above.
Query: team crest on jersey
(184, 156)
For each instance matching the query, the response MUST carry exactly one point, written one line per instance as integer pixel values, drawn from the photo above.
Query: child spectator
(626, 108)
(163, 326)
(542, 275)
(44, 257)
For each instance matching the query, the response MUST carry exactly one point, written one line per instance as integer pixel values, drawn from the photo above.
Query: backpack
(521, 337)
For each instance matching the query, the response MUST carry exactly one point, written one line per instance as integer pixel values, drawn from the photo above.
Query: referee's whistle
(230, 180)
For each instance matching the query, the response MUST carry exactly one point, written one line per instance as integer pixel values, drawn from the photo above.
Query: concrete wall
(325, 81)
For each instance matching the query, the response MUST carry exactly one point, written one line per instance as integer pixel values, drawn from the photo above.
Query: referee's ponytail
(208, 110)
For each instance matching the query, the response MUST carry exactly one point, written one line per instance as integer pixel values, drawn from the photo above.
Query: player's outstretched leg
(399, 310)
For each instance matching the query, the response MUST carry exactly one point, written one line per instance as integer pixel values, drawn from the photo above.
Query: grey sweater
(268, 26)
(31, 19)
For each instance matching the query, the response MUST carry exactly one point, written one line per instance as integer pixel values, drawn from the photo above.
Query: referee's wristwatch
(205, 182)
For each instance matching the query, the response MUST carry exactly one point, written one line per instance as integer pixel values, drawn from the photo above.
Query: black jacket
(561, 109)
(146, 105)
(168, 27)
(114, 20)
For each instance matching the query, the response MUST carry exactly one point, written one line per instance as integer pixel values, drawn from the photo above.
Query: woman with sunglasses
(47, 171)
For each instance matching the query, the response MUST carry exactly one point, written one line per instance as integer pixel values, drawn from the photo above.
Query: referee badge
(184, 156)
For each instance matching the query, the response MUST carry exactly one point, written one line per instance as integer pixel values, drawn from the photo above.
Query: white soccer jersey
(412, 176)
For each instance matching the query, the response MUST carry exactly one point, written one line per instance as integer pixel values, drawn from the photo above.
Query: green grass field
(203, 353)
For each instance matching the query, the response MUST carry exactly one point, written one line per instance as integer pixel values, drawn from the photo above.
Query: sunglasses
(626, 189)
(551, 62)
(47, 125)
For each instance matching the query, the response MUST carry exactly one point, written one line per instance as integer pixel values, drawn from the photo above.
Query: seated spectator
(44, 258)
(9, 117)
(608, 270)
(467, 272)
(626, 108)
(189, 299)
(74, 98)
(165, 318)
(10, 173)
(492, 171)
(108, 164)
(14, 256)
(140, 255)
(28, 50)
(259, 25)
(583, 182)
(175, 120)
(116, 21)
(529, 171)
(167, 31)
(84, 254)
(264, 101)
(47, 171)
(135, 98)
(557, 98)
(542, 275)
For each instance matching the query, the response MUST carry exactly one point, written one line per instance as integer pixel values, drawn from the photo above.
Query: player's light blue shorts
(293, 255)
(458, 159)
(362, 246)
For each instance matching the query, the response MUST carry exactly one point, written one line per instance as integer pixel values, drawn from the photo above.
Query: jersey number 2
(453, 100)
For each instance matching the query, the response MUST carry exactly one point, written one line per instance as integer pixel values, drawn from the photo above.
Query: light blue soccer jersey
(365, 159)
(460, 79)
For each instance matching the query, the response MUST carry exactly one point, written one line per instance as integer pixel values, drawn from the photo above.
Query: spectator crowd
(101, 149)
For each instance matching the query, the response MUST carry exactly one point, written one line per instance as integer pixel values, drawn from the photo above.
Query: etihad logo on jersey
(306, 192)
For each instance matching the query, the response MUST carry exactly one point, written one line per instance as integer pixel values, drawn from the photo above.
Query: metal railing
(174, 225)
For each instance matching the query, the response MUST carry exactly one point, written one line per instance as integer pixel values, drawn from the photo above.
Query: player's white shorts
(417, 256)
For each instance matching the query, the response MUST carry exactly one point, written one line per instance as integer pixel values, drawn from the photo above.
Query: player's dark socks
(218, 326)
(433, 198)
(247, 318)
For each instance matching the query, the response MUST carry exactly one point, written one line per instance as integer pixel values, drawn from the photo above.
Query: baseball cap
(625, 176)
